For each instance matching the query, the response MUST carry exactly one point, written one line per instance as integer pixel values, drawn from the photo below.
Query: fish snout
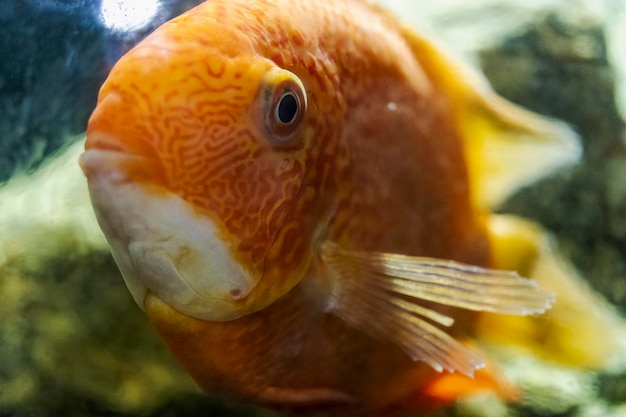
(117, 146)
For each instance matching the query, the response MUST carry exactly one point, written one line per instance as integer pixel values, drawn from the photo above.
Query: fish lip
(99, 163)
(120, 165)
(105, 142)
(101, 147)
(107, 154)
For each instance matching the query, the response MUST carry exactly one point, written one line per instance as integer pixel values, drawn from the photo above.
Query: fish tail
(580, 330)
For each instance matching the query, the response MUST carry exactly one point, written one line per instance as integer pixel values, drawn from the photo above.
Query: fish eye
(282, 106)
(287, 108)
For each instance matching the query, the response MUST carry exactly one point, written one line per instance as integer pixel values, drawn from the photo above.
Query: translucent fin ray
(399, 321)
(380, 293)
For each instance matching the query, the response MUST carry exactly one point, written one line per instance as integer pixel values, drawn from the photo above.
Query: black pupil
(287, 108)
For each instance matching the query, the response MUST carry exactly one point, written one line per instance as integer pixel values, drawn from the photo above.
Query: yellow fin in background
(580, 329)
(506, 146)
(380, 293)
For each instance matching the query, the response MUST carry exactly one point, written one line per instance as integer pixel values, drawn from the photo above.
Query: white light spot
(128, 15)
(392, 106)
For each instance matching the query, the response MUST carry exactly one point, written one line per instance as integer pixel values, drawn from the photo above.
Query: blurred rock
(72, 340)
(561, 68)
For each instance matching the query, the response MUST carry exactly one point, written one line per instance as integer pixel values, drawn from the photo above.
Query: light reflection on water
(128, 15)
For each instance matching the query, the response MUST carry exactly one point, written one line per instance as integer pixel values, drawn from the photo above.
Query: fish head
(206, 166)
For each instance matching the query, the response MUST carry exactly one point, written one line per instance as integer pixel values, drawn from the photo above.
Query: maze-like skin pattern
(376, 165)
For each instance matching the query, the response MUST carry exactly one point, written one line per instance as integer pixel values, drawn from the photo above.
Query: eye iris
(287, 108)
(279, 109)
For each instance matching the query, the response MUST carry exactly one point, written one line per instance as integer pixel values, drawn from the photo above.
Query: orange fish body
(285, 186)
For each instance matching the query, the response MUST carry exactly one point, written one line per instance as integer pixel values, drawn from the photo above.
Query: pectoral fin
(382, 294)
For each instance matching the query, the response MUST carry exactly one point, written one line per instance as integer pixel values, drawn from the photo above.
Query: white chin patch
(163, 246)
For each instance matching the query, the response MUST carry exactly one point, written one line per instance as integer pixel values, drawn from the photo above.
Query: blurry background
(72, 341)
(55, 54)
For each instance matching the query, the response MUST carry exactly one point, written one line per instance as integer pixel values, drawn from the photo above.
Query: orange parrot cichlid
(298, 196)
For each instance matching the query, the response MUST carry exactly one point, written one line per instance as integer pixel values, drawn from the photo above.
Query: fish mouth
(105, 142)
(160, 243)
(107, 156)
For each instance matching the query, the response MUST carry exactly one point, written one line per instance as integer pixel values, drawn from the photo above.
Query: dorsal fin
(506, 146)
